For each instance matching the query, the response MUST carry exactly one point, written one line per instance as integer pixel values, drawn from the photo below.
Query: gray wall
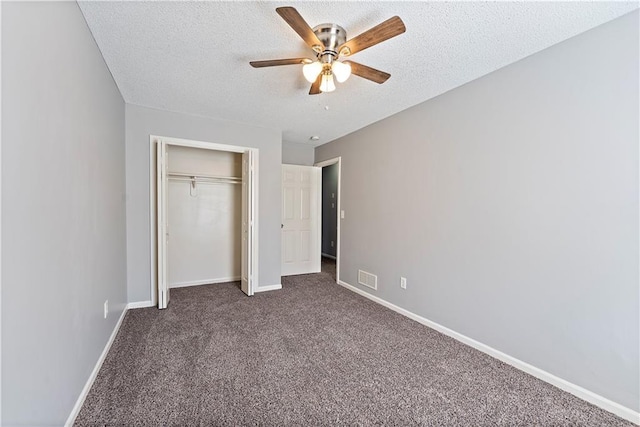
(329, 209)
(297, 154)
(511, 206)
(142, 122)
(63, 209)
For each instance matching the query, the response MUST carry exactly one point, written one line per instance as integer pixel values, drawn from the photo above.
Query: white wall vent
(368, 279)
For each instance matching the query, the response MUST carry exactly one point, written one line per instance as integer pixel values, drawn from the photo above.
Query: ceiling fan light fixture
(341, 70)
(329, 42)
(327, 84)
(311, 71)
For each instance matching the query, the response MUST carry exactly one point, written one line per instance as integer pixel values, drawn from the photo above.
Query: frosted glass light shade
(341, 70)
(311, 71)
(327, 84)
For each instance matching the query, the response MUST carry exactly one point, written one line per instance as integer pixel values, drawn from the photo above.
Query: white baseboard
(584, 394)
(140, 304)
(268, 288)
(83, 394)
(328, 256)
(205, 282)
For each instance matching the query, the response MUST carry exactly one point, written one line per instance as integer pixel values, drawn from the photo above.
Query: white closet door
(300, 219)
(247, 273)
(163, 235)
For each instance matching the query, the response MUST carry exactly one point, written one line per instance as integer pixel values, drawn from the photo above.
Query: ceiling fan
(329, 42)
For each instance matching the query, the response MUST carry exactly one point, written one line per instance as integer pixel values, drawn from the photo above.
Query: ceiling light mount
(332, 37)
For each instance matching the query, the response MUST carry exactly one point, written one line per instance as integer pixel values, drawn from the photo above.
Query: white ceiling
(193, 57)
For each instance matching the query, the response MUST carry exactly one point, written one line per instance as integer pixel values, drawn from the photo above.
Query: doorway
(331, 215)
(194, 181)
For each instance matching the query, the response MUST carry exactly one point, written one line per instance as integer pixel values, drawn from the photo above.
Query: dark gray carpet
(328, 266)
(313, 353)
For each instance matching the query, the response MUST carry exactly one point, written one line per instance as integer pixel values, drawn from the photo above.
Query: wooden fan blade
(368, 72)
(300, 26)
(315, 87)
(274, 62)
(381, 32)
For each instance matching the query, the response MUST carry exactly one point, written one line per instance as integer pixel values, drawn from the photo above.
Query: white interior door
(247, 274)
(163, 235)
(301, 206)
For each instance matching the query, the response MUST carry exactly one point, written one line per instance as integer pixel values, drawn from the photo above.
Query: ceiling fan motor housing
(332, 36)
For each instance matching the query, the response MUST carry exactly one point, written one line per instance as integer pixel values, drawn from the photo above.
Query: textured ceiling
(193, 57)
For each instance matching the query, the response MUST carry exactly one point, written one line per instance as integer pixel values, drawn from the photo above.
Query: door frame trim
(153, 247)
(322, 164)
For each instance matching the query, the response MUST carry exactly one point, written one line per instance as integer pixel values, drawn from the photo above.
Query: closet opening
(205, 216)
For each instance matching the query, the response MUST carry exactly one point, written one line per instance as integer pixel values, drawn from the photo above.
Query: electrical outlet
(403, 282)
(332, 243)
(106, 308)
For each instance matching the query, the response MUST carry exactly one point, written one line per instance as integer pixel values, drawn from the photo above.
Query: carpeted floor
(328, 266)
(313, 353)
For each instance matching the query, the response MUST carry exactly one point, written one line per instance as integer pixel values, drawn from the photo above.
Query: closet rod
(192, 176)
(207, 180)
